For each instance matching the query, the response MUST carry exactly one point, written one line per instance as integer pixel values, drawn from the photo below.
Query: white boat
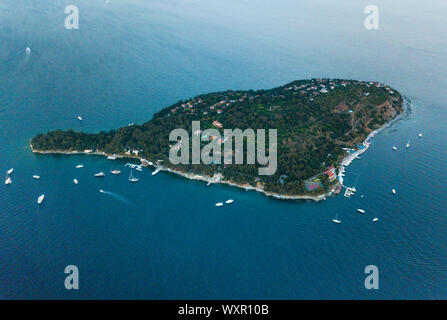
(408, 144)
(229, 201)
(336, 220)
(79, 166)
(10, 171)
(131, 177)
(36, 177)
(156, 171)
(28, 50)
(100, 190)
(375, 220)
(420, 135)
(358, 158)
(112, 157)
(100, 174)
(394, 191)
(40, 199)
(75, 181)
(115, 172)
(394, 148)
(219, 204)
(8, 180)
(208, 184)
(79, 118)
(361, 210)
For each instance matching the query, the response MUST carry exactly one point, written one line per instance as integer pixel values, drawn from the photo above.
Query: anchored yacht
(40, 199)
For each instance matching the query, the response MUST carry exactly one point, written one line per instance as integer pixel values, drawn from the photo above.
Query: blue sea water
(163, 238)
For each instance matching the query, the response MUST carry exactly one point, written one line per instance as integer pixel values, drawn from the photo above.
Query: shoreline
(191, 176)
(346, 161)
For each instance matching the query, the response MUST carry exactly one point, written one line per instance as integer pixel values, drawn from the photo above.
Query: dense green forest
(315, 119)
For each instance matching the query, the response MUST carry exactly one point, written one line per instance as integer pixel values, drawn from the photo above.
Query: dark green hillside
(315, 119)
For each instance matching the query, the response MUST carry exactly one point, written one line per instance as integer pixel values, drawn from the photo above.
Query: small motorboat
(394, 148)
(75, 181)
(79, 166)
(420, 135)
(375, 220)
(112, 157)
(115, 172)
(79, 118)
(100, 190)
(100, 174)
(361, 211)
(40, 199)
(156, 171)
(219, 204)
(8, 180)
(10, 171)
(229, 201)
(393, 191)
(36, 177)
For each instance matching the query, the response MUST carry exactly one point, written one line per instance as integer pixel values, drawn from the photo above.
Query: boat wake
(116, 196)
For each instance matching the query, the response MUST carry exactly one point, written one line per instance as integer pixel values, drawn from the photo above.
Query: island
(322, 125)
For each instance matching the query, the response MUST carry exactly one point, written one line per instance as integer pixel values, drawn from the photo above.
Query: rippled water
(163, 237)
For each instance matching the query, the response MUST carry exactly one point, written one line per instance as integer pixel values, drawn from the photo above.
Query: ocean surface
(163, 238)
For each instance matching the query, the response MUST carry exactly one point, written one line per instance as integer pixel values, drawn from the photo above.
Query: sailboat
(336, 220)
(10, 171)
(131, 178)
(40, 199)
(8, 180)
